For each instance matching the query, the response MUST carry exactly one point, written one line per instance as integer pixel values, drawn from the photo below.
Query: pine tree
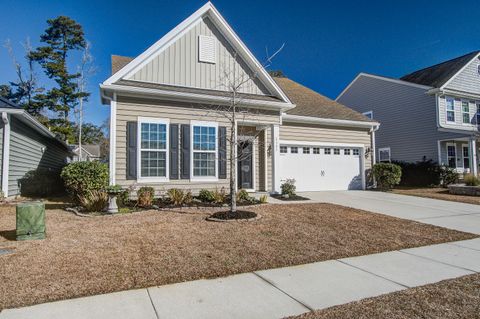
(62, 36)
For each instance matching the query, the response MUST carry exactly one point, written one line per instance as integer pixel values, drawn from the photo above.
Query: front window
(466, 156)
(450, 109)
(478, 114)
(204, 150)
(153, 148)
(452, 156)
(465, 112)
(384, 154)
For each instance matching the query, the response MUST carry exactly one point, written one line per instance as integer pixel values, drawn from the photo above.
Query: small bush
(387, 175)
(220, 196)
(471, 180)
(94, 200)
(81, 178)
(288, 187)
(145, 196)
(448, 176)
(263, 199)
(177, 196)
(188, 198)
(206, 196)
(242, 196)
(424, 173)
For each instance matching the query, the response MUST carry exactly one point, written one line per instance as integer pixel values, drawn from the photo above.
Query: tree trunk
(233, 165)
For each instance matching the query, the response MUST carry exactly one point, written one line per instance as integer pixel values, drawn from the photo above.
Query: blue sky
(327, 42)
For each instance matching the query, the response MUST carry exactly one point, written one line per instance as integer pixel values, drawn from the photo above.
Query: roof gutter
(34, 123)
(330, 122)
(190, 97)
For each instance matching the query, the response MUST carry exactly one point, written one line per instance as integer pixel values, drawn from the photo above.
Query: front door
(245, 165)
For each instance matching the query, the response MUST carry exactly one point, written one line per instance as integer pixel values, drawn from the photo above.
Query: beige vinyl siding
(129, 109)
(468, 80)
(178, 64)
(326, 134)
(29, 151)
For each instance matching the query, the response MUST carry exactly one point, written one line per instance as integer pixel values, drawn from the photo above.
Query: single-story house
(27, 147)
(166, 130)
(89, 153)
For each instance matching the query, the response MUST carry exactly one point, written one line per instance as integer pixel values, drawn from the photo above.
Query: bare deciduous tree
(235, 112)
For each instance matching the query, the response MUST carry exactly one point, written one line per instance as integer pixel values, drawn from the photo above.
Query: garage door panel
(316, 172)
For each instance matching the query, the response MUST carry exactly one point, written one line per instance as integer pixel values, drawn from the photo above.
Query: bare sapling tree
(85, 70)
(234, 112)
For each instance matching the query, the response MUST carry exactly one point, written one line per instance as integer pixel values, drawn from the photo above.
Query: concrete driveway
(459, 216)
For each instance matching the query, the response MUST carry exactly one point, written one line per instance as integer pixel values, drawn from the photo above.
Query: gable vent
(206, 49)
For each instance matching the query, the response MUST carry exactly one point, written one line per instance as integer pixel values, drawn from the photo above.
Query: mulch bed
(438, 193)
(87, 256)
(289, 198)
(454, 298)
(229, 216)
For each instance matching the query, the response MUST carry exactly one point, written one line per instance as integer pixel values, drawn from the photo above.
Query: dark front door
(245, 165)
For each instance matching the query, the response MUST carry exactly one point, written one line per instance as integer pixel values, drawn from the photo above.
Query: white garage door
(317, 168)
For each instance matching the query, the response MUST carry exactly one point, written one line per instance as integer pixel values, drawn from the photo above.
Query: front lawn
(454, 298)
(92, 255)
(438, 193)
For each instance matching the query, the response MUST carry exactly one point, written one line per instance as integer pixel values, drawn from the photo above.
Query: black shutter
(222, 152)
(185, 153)
(173, 151)
(131, 150)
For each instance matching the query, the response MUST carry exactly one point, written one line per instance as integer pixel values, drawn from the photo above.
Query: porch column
(275, 157)
(473, 156)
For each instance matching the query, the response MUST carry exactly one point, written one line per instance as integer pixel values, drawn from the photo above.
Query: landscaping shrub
(242, 196)
(145, 196)
(263, 199)
(94, 200)
(41, 182)
(179, 197)
(220, 196)
(471, 180)
(387, 175)
(448, 176)
(82, 178)
(206, 196)
(288, 187)
(420, 174)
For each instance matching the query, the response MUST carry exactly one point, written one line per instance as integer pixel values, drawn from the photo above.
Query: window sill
(144, 180)
(204, 179)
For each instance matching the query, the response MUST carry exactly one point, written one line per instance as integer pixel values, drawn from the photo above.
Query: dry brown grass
(454, 298)
(92, 255)
(438, 193)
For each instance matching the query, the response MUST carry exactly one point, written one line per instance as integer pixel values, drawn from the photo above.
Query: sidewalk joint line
(437, 261)
(153, 305)
(453, 243)
(284, 292)
(374, 274)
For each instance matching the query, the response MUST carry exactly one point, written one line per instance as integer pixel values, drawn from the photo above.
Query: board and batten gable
(468, 79)
(179, 64)
(406, 112)
(129, 109)
(29, 151)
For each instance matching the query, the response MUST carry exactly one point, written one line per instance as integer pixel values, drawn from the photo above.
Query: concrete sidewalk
(275, 293)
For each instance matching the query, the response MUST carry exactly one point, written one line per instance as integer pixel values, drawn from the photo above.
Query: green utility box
(30, 220)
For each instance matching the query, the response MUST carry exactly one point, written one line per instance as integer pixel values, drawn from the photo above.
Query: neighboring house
(432, 113)
(26, 146)
(90, 152)
(164, 134)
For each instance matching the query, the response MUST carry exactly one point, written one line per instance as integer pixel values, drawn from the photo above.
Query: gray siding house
(26, 146)
(167, 129)
(432, 113)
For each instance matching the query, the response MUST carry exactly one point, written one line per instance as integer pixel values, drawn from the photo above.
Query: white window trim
(368, 114)
(203, 178)
(456, 154)
(389, 154)
(153, 179)
(469, 117)
(447, 110)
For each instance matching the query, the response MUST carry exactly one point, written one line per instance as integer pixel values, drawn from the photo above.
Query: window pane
(306, 150)
(316, 150)
(450, 116)
(293, 149)
(204, 138)
(153, 164)
(203, 164)
(336, 151)
(356, 151)
(327, 151)
(153, 136)
(283, 149)
(466, 118)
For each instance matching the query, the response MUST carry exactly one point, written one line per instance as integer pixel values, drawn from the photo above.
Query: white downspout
(374, 152)
(6, 153)
(113, 138)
